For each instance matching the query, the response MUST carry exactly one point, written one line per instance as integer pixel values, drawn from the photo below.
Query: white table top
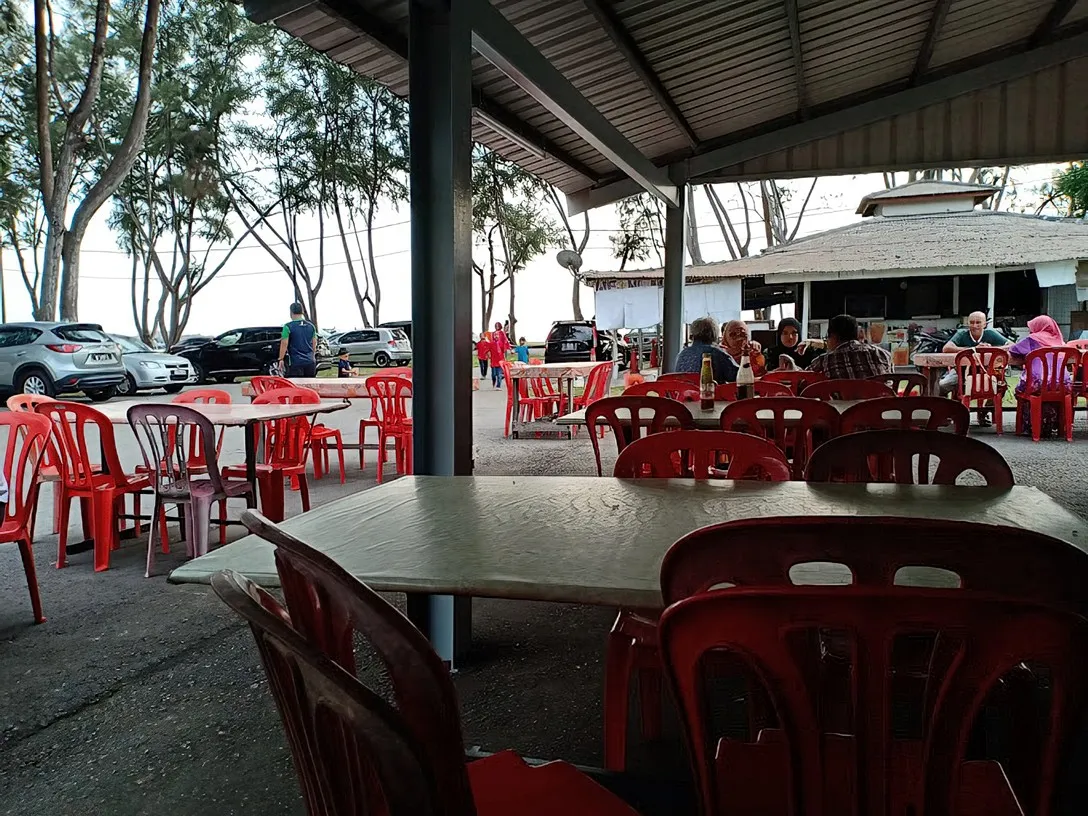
(235, 414)
(327, 387)
(704, 420)
(936, 360)
(553, 370)
(584, 539)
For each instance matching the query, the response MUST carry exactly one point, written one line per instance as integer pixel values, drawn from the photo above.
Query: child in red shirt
(483, 352)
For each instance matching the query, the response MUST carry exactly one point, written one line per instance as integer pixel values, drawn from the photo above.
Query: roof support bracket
(499, 41)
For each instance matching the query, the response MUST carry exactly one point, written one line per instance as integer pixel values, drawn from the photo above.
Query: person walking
(500, 344)
(298, 345)
(483, 351)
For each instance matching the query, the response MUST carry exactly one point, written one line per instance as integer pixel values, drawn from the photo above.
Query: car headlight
(150, 364)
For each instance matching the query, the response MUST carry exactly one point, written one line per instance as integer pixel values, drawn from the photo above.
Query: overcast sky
(252, 290)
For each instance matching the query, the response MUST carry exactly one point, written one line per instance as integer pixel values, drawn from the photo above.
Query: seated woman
(704, 331)
(790, 343)
(1044, 333)
(736, 339)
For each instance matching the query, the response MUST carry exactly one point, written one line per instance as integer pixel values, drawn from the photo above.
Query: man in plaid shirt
(847, 358)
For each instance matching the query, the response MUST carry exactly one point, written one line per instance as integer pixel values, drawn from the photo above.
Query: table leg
(933, 380)
(251, 455)
(446, 621)
(515, 410)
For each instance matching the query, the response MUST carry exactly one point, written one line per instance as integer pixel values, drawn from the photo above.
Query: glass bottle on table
(706, 384)
(746, 380)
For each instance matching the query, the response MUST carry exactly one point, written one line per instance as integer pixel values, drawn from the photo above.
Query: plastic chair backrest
(169, 435)
(762, 552)
(351, 751)
(690, 377)
(796, 423)
(847, 390)
(1048, 371)
(797, 381)
(328, 606)
(921, 413)
(203, 396)
(904, 385)
(27, 404)
(598, 383)
(265, 383)
(390, 396)
(889, 457)
(692, 455)
(728, 391)
(631, 418)
(27, 440)
(288, 395)
(669, 389)
(70, 422)
(981, 637)
(981, 372)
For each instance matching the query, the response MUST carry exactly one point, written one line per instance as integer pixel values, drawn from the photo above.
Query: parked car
(190, 341)
(59, 358)
(648, 337)
(147, 369)
(404, 325)
(570, 341)
(377, 347)
(244, 353)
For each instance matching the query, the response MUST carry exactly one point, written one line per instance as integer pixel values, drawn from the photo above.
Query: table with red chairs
(564, 373)
(237, 415)
(349, 388)
(931, 366)
(705, 419)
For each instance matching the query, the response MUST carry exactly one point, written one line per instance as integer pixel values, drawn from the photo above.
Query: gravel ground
(137, 697)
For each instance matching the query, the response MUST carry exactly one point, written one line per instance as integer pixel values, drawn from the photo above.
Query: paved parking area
(137, 697)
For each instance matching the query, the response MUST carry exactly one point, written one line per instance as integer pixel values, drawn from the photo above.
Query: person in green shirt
(298, 345)
(976, 334)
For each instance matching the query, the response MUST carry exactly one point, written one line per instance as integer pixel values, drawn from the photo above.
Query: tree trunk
(692, 228)
(513, 320)
(576, 298)
(47, 302)
(69, 297)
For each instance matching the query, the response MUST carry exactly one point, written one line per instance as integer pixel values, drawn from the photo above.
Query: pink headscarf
(1044, 331)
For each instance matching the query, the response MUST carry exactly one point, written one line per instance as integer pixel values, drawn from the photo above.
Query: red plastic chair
(920, 413)
(801, 766)
(690, 377)
(203, 396)
(24, 451)
(847, 390)
(904, 385)
(320, 435)
(889, 457)
(100, 493)
(797, 426)
(796, 381)
(641, 416)
(597, 386)
(265, 383)
(390, 396)
(286, 448)
(695, 454)
(728, 391)
(49, 471)
(328, 607)
(982, 379)
(1058, 366)
(670, 389)
(529, 407)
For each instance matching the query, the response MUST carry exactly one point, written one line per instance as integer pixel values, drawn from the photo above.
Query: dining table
(932, 366)
(565, 374)
(706, 419)
(585, 540)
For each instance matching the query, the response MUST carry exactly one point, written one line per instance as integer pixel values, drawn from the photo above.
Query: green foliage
(640, 232)
(1071, 187)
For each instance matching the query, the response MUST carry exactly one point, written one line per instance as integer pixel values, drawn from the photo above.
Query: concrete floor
(138, 697)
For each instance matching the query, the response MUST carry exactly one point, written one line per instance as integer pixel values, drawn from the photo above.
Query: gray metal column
(672, 329)
(440, 131)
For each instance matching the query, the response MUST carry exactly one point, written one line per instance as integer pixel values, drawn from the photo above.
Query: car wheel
(201, 377)
(172, 389)
(128, 387)
(37, 382)
(102, 394)
(381, 359)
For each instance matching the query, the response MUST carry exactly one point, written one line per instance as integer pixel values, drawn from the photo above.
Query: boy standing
(522, 351)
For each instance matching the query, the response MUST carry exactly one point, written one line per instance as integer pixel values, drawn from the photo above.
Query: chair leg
(65, 507)
(105, 523)
(999, 421)
(222, 520)
(272, 495)
(157, 514)
(617, 690)
(136, 502)
(27, 554)
(304, 492)
(315, 455)
(649, 698)
(381, 455)
(164, 535)
(201, 515)
(340, 456)
(1036, 419)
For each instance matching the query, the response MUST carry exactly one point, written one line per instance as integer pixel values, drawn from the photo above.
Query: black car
(244, 353)
(189, 341)
(570, 341)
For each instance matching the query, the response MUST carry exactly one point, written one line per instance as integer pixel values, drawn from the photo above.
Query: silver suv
(59, 358)
(377, 347)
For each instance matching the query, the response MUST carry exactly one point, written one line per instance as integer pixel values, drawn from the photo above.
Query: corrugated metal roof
(728, 70)
(981, 238)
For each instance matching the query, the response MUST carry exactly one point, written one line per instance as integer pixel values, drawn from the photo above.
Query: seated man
(976, 334)
(847, 358)
(704, 331)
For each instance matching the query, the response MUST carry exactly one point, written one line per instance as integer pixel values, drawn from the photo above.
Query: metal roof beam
(395, 42)
(1053, 20)
(933, 31)
(613, 26)
(496, 39)
(794, 20)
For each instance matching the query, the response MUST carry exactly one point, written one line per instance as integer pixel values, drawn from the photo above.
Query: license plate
(101, 358)
(570, 347)
(179, 375)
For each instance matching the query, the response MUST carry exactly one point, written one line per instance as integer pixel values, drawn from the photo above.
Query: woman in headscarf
(790, 345)
(1043, 333)
(736, 340)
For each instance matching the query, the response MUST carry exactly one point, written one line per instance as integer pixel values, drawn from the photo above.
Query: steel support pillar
(991, 297)
(672, 306)
(806, 308)
(440, 132)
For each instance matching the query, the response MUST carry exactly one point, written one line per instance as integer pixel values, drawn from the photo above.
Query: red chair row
(683, 390)
(350, 746)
